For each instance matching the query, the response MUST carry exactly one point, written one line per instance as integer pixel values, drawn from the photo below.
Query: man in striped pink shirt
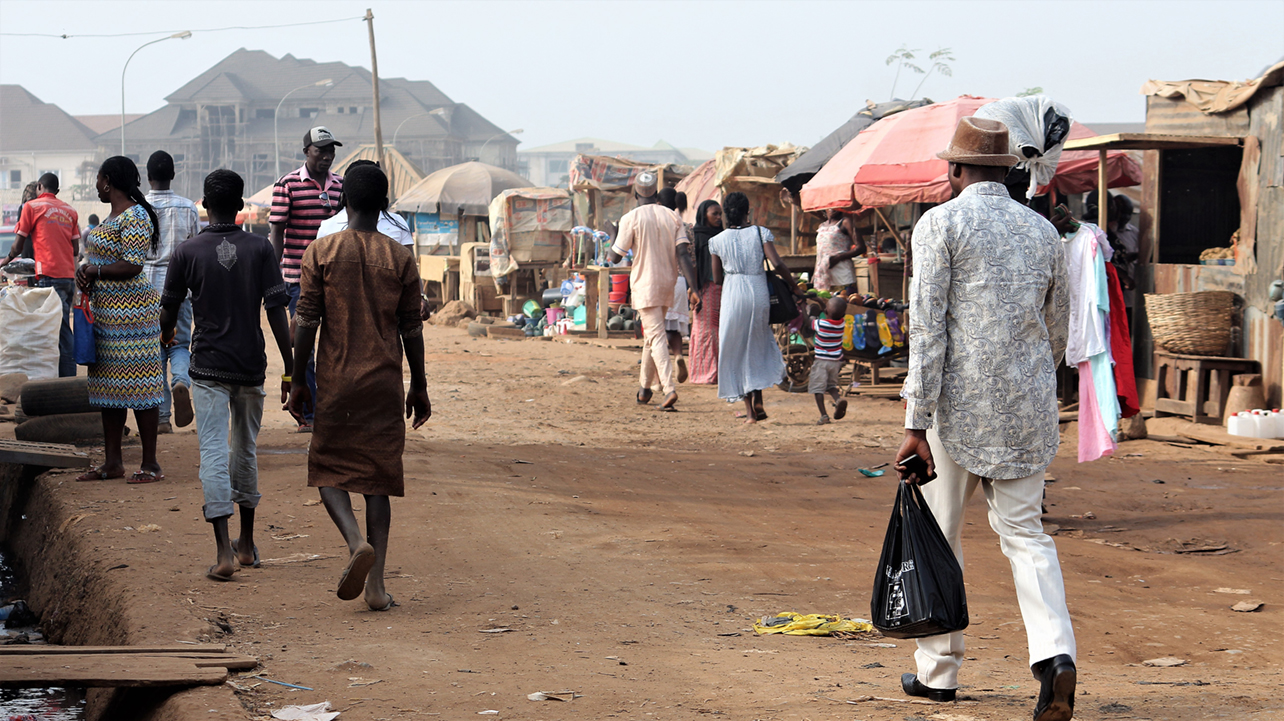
(300, 201)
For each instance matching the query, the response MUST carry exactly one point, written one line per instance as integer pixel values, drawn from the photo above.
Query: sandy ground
(557, 537)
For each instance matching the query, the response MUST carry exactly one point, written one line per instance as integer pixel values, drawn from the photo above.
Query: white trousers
(1016, 515)
(657, 364)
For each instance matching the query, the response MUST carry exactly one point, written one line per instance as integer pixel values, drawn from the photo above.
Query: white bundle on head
(1028, 120)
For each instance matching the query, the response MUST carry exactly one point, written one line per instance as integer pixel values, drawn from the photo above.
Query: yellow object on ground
(812, 624)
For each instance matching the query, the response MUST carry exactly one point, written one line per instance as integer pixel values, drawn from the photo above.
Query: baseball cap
(320, 136)
(644, 184)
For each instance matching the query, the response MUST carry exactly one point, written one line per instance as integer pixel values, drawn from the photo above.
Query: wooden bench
(1203, 400)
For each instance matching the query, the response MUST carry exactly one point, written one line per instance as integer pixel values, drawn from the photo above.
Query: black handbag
(918, 588)
(783, 308)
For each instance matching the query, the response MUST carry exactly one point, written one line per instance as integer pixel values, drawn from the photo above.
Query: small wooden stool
(1206, 400)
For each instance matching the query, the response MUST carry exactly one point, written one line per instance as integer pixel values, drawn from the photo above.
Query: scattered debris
(748, 454)
(313, 502)
(287, 536)
(358, 681)
(494, 630)
(812, 624)
(1247, 606)
(1165, 662)
(148, 528)
(296, 558)
(869, 473)
(1240, 591)
(311, 712)
(553, 696)
(290, 685)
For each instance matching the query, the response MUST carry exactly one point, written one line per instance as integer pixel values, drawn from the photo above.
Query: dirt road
(556, 537)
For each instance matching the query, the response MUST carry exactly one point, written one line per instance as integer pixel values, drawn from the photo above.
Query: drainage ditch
(20, 626)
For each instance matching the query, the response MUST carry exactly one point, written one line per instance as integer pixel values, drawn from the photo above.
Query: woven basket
(1191, 323)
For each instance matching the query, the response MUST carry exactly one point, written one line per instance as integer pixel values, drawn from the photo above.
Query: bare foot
(750, 421)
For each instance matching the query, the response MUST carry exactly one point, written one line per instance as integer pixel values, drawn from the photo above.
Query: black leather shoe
(1056, 677)
(914, 687)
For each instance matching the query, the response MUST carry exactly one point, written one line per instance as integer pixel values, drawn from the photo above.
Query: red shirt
(52, 226)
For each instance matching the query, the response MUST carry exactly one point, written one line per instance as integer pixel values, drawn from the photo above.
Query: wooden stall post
(793, 229)
(1102, 197)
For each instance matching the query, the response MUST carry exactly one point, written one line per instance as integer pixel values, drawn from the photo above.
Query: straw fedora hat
(979, 141)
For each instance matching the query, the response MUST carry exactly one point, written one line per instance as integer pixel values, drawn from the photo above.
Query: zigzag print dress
(126, 318)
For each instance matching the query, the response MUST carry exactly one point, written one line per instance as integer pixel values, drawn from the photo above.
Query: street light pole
(518, 131)
(276, 135)
(435, 111)
(176, 36)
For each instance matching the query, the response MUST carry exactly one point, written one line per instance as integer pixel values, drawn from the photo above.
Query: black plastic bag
(918, 589)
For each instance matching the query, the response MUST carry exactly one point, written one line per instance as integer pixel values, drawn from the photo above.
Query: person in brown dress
(360, 288)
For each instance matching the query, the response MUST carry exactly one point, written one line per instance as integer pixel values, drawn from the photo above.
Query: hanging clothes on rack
(1088, 347)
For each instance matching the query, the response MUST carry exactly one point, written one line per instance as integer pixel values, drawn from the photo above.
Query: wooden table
(1205, 402)
(597, 306)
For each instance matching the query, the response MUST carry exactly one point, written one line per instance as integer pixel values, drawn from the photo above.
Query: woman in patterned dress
(126, 320)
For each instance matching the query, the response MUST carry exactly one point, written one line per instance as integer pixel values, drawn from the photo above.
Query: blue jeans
(65, 288)
(227, 425)
(294, 289)
(178, 358)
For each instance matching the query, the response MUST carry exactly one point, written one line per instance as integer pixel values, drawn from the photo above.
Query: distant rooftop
(31, 124)
(105, 123)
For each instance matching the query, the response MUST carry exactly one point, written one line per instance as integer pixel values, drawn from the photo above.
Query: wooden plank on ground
(1217, 436)
(41, 649)
(48, 455)
(105, 671)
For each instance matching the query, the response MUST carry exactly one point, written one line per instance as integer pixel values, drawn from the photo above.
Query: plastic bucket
(552, 315)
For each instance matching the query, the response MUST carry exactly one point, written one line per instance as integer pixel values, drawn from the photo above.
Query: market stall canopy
(1216, 96)
(470, 186)
(600, 172)
(751, 171)
(402, 174)
(894, 161)
(263, 198)
(528, 225)
(1077, 170)
(810, 162)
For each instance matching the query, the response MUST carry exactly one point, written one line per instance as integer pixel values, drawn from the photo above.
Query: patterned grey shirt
(989, 313)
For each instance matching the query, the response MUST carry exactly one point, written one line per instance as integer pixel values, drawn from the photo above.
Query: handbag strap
(83, 305)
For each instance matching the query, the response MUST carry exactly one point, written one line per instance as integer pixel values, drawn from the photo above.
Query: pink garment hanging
(1094, 440)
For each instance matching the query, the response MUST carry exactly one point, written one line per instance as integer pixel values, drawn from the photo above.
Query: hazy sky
(702, 74)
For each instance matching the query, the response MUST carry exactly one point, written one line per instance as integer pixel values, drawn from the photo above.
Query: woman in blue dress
(749, 358)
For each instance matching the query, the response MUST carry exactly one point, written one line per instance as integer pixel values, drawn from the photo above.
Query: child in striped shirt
(828, 363)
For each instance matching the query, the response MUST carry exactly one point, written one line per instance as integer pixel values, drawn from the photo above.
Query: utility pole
(374, 83)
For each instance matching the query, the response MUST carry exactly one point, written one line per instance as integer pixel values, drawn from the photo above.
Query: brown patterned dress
(362, 290)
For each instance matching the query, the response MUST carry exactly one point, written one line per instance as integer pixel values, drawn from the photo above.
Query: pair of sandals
(353, 580)
(139, 476)
(670, 401)
(210, 574)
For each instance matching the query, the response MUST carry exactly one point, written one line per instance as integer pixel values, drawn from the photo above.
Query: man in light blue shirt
(179, 220)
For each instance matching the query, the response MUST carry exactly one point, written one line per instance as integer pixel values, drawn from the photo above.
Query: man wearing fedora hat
(989, 324)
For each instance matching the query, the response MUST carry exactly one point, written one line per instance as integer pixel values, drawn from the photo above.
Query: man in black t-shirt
(230, 275)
